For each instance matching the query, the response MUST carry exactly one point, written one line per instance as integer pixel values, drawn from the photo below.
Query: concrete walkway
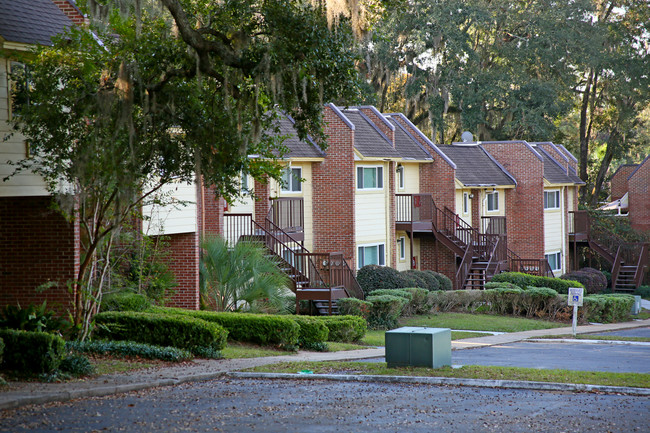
(20, 394)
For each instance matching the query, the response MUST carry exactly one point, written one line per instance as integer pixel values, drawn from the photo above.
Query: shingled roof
(554, 173)
(474, 167)
(406, 145)
(31, 21)
(297, 148)
(368, 139)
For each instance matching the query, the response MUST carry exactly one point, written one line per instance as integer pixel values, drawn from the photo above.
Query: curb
(571, 341)
(450, 381)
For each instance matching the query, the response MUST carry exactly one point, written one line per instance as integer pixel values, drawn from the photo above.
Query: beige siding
(245, 203)
(467, 217)
(483, 205)
(307, 195)
(411, 179)
(179, 216)
(24, 184)
(554, 229)
(403, 265)
(371, 214)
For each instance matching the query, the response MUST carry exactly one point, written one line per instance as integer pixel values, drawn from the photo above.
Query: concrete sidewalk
(20, 394)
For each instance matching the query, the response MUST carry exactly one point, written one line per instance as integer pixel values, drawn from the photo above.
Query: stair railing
(287, 213)
(641, 264)
(464, 267)
(616, 269)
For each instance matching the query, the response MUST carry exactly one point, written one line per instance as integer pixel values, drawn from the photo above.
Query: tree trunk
(584, 136)
(612, 143)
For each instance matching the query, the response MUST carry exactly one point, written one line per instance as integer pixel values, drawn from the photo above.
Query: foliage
(465, 300)
(255, 328)
(418, 303)
(394, 292)
(125, 301)
(32, 318)
(161, 330)
(501, 284)
(421, 279)
(374, 277)
(129, 348)
(345, 329)
(502, 300)
(76, 365)
(313, 333)
(592, 279)
(608, 308)
(385, 311)
(526, 280)
(445, 282)
(643, 291)
(535, 301)
(354, 307)
(2, 349)
(234, 278)
(31, 352)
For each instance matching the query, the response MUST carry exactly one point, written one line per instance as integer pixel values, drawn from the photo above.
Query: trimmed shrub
(462, 300)
(501, 285)
(31, 352)
(534, 301)
(345, 329)
(253, 328)
(503, 300)
(161, 330)
(313, 333)
(354, 307)
(420, 279)
(418, 303)
(125, 301)
(526, 280)
(373, 277)
(392, 292)
(443, 280)
(130, 348)
(385, 311)
(76, 365)
(608, 308)
(593, 280)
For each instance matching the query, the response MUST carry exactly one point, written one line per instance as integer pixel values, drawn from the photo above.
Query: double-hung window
(371, 255)
(554, 260)
(400, 177)
(291, 179)
(401, 247)
(465, 203)
(370, 177)
(492, 201)
(551, 199)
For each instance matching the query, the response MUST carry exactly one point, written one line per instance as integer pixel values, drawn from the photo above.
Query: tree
(184, 91)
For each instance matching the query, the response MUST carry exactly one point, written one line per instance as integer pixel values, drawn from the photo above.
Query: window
(492, 201)
(370, 177)
(243, 184)
(551, 199)
(401, 247)
(465, 203)
(554, 260)
(400, 177)
(371, 255)
(291, 179)
(20, 85)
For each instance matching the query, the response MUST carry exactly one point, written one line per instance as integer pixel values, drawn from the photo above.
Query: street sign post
(575, 298)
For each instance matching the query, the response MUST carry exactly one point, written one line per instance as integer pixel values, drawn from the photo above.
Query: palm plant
(236, 278)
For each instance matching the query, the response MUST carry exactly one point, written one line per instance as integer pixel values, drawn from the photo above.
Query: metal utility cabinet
(418, 347)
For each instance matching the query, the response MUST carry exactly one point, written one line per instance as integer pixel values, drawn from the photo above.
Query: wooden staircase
(629, 260)
(320, 278)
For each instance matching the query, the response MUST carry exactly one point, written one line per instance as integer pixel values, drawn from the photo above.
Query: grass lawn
(637, 380)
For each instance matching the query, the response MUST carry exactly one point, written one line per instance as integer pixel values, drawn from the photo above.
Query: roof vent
(467, 137)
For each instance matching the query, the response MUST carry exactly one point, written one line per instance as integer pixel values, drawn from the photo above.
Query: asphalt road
(240, 405)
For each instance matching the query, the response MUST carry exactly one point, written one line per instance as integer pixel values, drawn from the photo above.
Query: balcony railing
(287, 213)
(538, 267)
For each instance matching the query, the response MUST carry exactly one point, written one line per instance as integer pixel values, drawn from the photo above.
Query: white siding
(403, 265)
(24, 184)
(174, 217)
(245, 203)
(371, 214)
(467, 217)
(411, 179)
(554, 230)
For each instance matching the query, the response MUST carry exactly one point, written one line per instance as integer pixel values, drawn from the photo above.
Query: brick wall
(263, 202)
(37, 245)
(392, 166)
(71, 11)
(381, 123)
(639, 197)
(524, 203)
(210, 210)
(556, 154)
(619, 180)
(183, 261)
(333, 191)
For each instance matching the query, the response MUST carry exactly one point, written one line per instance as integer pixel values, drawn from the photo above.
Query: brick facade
(71, 11)
(183, 261)
(37, 246)
(619, 183)
(639, 197)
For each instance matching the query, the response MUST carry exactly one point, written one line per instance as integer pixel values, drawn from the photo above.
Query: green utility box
(418, 347)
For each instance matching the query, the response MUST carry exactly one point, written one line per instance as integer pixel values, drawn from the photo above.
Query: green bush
(592, 279)
(354, 307)
(254, 328)
(161, 330)
(313, 333)
(76, 365)
(31, 352)
(443, 280)
(608, 308)
(501, 285)
(34, 318)
(643, 291)
(503, 300)
(373, 277)
(130, 348)
(385, 311)
(526, 280)
(392, 292)
(534, 301)
(461, 300)
(418, 303)
(429, 280)
(125, 301)
(345, 329)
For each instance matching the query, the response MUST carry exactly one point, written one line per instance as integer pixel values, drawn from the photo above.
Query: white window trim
(487, 201)
(380, 259)
(401, 181)
(287, 188)
(401, 245)
(465, 203)
(558, 195)
(376, 167)
(559, 261)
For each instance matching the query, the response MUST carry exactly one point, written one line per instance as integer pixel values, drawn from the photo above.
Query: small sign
(575, 296)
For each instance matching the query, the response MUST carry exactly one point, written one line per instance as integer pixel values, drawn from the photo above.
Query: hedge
(394, 292)
(354, 307)
(373, 277)
(313, 332)
(125, 301)
(593, 280)
(445, 282)
(160, 330)
(254, 328)
(526, 280)
(385, 311)
(608, 308)
(418, 303)
(345, 329)
(130, 348)
(31, 352)
(420, 279)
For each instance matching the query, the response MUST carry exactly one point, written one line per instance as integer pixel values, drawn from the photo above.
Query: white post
(575, 319)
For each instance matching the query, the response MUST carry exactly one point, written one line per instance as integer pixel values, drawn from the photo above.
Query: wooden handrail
(464, 267)
(641, 264)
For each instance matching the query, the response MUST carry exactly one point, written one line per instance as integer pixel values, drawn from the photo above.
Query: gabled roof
(647, 158)
(475, 167)
(31, 21)
(554, 173)
(406, 145)
(368, 139)
(297, 148)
